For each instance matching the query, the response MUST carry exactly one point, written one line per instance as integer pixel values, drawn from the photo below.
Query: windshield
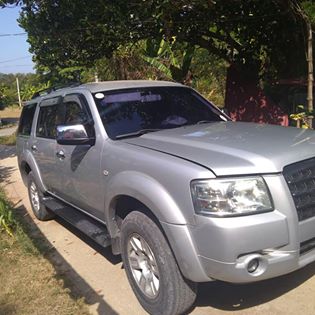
(130, 111)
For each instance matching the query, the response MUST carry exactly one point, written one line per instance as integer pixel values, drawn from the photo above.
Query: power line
(15, 59)
(13, 34)
(16, 66)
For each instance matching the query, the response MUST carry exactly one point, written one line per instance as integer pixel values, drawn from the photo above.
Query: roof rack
(54, 88)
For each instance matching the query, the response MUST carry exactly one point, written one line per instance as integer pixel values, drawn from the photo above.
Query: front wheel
(151, 268)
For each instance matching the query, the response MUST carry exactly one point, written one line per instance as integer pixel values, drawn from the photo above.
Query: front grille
(300, 178)
(307, 246)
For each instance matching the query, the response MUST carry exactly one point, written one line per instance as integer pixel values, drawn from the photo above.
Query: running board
(85, 224)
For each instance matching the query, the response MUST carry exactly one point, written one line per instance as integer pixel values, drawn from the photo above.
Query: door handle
(34, 148)
(60, 154)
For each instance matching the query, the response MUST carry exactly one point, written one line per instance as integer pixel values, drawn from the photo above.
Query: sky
(14, 54)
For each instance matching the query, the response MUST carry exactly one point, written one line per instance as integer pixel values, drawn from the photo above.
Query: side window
(74, 113)
(75, 110)
(26, 120)
(46, 125)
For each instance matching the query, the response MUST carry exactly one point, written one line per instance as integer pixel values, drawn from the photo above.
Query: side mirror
(73, 135)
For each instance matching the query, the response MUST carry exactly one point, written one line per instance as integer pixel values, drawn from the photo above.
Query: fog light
(253, 265)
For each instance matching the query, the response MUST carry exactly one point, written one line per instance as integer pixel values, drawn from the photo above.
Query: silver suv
(161, 175)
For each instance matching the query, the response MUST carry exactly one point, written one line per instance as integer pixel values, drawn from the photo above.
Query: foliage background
(233, 51)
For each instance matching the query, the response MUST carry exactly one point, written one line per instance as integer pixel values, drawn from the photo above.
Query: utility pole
(310, 76)
(295, 5)
(96, 76)
(18, 91)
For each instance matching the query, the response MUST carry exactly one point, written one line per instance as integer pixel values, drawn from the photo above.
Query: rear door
(43, 145)
(79, 165)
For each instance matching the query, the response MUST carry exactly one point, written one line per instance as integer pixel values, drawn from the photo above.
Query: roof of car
(95, 87)
(116, 85)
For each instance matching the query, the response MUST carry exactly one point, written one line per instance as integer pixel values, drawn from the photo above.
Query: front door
(79, 165)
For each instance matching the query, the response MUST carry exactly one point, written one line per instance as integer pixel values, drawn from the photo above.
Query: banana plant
(28, 90)
(302, 117)
(169, 57)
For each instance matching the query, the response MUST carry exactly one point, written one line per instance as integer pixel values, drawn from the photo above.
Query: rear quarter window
(26, 120)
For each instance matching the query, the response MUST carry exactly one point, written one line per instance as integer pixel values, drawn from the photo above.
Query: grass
(8, 140)
(7, 222)
(29, 284)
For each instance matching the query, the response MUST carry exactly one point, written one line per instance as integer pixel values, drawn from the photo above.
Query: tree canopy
(259, 40)
(258, 34)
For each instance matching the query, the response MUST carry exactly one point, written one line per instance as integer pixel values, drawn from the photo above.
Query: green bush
(7, 222)
(8, 140)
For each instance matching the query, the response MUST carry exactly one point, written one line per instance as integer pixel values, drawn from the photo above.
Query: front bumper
(224, 248)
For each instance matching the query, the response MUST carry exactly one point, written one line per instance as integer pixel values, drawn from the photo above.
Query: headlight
(231, 197)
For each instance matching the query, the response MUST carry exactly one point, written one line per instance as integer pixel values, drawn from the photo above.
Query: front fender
(146, 190)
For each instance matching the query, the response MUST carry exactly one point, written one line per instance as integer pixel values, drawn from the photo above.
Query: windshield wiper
(203, 122)
(136, 133)
(198, 123)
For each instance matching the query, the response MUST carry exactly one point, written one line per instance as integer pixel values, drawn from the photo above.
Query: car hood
(233, 148)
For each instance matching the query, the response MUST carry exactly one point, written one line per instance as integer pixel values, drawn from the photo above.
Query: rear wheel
(36, 200)
(151, 268)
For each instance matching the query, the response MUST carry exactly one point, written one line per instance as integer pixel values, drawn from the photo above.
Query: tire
(36, 196)
(151, 268)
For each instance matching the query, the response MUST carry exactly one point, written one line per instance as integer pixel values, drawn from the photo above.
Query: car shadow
(78, 288)
(7, 151)
(234, 297)
(105, 252)
(5, 173)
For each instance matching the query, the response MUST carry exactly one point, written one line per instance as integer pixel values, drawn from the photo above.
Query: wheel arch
(145, 194)
(134, 189)
(124, 205)
(28, 164)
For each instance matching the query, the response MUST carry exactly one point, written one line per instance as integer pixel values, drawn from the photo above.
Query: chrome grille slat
(307, 246)
(300, 178)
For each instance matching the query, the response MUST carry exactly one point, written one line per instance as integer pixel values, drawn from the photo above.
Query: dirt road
(7, 131)
(98, 277)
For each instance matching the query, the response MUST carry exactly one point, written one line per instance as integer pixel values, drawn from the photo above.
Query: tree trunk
(310, 77)
(246, 101)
